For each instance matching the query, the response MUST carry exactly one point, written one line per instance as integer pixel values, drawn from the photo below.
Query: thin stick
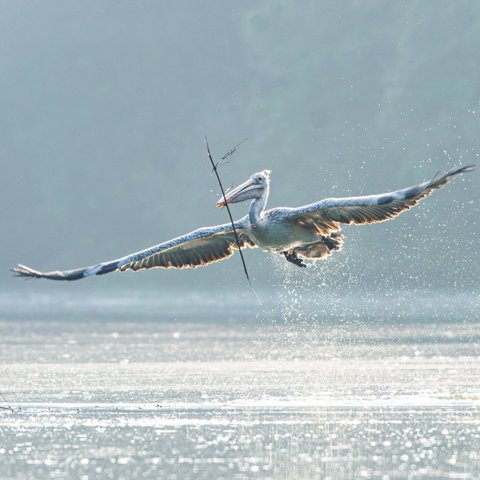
(221, 162)
(8, 407)
(237, 239)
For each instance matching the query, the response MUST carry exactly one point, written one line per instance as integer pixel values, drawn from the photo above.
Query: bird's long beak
(246, 191)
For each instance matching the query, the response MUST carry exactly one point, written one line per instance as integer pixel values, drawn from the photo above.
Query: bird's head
(254, 187)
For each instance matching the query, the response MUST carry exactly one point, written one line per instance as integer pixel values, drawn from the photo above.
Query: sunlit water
(148, 387)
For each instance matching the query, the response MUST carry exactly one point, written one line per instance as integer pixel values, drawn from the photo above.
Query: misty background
(104, 106)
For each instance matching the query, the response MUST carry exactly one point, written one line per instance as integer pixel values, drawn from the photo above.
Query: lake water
(130, 387)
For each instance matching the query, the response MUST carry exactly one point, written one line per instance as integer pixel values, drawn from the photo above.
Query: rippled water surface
(114, 389)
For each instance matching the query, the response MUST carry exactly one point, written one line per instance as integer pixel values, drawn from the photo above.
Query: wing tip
(22, 271)
(27, 273)
(439, 182)
(464, 169)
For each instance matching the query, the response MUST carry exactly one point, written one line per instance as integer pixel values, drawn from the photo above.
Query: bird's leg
(330, 243)
(291, 256)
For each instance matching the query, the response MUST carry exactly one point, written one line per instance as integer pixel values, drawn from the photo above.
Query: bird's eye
(259, 179)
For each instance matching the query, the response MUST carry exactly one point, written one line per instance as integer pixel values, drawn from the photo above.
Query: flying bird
(311, 232)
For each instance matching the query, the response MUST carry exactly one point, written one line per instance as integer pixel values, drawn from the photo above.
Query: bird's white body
(274, 233)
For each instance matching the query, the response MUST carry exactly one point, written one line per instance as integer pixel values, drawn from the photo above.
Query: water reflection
(297, 443)
(95, 397)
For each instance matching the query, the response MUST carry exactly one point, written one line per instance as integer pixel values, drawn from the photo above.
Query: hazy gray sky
(105, 104)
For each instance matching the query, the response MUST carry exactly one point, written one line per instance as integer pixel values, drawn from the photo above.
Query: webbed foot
(291, 256)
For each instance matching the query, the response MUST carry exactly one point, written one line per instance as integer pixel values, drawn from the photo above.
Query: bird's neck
(255, 212)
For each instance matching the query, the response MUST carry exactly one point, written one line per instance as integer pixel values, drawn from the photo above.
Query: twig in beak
(215, 165)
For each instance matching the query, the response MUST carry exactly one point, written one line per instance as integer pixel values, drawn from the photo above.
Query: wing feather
(198, 248)
(194, 253)
(327, 214)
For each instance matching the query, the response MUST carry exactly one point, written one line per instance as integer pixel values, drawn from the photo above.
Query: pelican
(307, 233)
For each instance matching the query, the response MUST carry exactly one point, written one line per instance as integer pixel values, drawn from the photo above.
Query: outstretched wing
(200, 249)
(326, 215)
(196, 249)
